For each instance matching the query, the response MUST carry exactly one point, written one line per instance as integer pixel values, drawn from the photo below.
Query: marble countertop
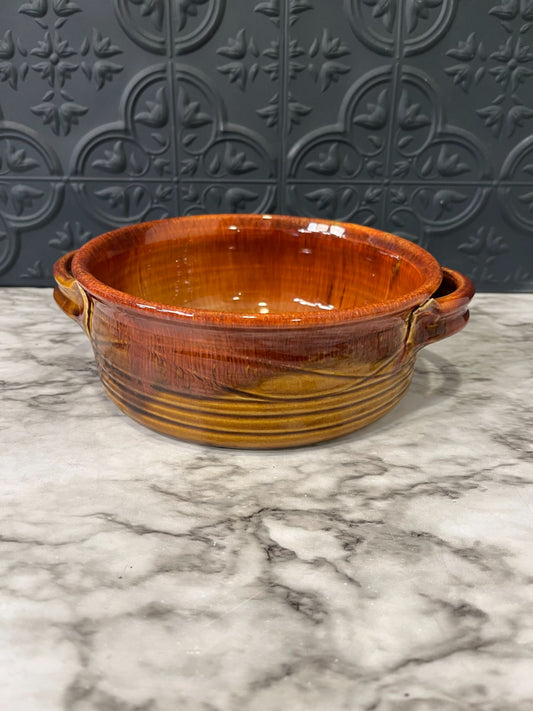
(388, 571)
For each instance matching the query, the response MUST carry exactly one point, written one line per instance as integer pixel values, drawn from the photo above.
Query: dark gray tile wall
(414, 116)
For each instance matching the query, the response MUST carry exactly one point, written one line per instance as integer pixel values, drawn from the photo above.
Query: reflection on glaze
(324, 228)
(314, 304)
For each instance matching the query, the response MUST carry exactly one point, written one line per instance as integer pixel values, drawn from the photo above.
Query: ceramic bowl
(257, 330)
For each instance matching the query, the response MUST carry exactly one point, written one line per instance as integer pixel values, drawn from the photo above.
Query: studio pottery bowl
(257, 330)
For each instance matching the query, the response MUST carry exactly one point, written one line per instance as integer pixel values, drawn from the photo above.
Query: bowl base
(257, 424)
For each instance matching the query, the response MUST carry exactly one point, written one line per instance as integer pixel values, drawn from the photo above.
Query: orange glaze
(257, 331)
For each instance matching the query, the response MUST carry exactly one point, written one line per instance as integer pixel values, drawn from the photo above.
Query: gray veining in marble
(388, 571)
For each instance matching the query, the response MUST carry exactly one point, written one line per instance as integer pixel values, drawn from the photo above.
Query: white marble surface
(389, 571)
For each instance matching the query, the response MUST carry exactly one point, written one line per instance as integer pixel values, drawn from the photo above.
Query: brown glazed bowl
(257, 330)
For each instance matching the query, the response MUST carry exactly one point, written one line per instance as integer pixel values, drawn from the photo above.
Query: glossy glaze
(257, 331)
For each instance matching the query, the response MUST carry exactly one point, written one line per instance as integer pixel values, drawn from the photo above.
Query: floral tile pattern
(413, 116)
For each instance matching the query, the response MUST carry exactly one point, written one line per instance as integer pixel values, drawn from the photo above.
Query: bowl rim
(389, 243)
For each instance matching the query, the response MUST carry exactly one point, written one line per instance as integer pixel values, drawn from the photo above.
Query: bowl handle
(444, 314)
(68, 294)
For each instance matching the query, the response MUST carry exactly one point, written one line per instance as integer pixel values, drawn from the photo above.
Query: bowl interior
(256, 266)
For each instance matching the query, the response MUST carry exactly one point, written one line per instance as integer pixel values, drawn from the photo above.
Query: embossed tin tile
(414, 116)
